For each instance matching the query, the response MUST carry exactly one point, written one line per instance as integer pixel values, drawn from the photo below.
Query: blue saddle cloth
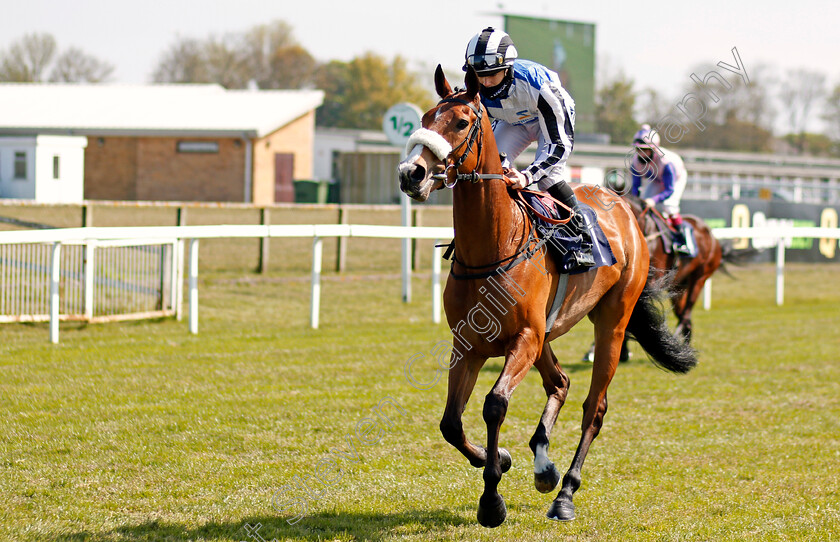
(564, 257)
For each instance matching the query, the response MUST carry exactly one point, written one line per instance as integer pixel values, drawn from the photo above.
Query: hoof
(505, 461)
(561, 511)
(491, 512)
(547, 480)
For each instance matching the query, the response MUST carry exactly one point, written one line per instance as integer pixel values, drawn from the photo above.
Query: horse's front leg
(462, 377)
(520, 357)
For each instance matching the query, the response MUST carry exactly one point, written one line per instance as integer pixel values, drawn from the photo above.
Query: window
(56, 167)
(20, 165)
(201, 147)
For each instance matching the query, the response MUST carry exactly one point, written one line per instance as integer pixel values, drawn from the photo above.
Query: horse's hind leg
(610, 322)
(462, 377)
(556, 385)
(684, 306)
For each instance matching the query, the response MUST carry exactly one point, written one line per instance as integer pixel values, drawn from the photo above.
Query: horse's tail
(648, 326)
(735, 256)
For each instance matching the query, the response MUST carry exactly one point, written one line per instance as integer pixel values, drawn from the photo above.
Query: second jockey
(666, 177)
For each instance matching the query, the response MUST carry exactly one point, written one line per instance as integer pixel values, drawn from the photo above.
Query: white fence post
(179, 280)
(193, 322)
(707, 294)
(405, 208)
(780, 271)
(175, 266)
(436, 257)
(315, 306)
(90, 272)
(55, 280)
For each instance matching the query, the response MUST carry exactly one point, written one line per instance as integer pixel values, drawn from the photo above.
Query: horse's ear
(471, 80)
(441, 84)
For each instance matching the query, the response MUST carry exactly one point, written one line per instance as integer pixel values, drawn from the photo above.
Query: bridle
(476, 133)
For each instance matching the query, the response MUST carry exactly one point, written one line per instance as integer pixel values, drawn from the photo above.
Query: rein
(539, 214)
(526, 252)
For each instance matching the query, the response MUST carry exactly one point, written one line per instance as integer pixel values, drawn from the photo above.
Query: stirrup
(584, 257)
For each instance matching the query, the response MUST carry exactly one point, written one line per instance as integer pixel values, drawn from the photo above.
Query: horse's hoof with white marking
(547, 480)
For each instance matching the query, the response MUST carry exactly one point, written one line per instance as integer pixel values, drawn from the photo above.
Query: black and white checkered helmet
(489, 51)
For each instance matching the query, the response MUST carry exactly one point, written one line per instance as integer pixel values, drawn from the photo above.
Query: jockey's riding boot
(563, 193)
(679, 240)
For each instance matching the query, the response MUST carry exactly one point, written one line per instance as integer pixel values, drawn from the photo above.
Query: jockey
(667, 177)
(527, 103)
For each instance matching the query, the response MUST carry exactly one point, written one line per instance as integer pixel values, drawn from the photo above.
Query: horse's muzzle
(412, 176)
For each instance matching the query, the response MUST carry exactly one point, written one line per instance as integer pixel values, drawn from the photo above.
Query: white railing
(99, 280)
(782, 237)
(55, 239)
(176, 236)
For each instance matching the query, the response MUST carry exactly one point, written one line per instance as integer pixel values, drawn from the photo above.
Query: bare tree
(651, 106)
(33, 57)
(74, 66)
(831, 114)
(799, 94)
(226, 62)
(268, 55)
(27, 59)
(276, 59)
(183, 62)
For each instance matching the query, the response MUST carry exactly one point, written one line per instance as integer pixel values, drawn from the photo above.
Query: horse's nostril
(418, 173)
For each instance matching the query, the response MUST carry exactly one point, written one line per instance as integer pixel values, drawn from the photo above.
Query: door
(284, 166)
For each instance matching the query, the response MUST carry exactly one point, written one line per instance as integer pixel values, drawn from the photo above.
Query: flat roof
(170, 109)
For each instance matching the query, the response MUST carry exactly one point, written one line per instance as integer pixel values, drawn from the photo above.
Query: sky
(657, 43)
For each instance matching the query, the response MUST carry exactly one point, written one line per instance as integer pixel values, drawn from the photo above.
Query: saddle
(672, 240)
(562, 246)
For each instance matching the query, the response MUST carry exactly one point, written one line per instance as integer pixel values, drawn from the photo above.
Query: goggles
(486, 62)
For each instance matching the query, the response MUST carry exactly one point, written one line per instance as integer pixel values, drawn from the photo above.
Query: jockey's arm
(557, 128)
(669, 176)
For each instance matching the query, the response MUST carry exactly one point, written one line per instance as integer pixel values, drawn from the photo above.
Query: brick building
(174, 142)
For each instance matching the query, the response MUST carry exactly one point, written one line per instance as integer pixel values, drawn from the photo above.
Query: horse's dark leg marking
(610, 322)
(556, 385)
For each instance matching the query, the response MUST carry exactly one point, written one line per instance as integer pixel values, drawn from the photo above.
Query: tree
(30, 58)
(75, 65)
(652, 106)
(740, 120)
(215, 60)
(810, 143)
(800, 92)
(276, 59)
(614, 105)
(267, 56)
(831, 114)
(359, 92)
(181, 63)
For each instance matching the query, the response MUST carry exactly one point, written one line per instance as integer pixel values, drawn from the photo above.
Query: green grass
(140, 431)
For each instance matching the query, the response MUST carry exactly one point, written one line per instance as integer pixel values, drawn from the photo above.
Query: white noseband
(431, 140)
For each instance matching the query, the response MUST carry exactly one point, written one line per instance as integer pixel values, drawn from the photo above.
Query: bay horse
(690, 273)
(455, 148)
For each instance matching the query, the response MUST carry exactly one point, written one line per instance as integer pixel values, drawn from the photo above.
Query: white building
(43, 168)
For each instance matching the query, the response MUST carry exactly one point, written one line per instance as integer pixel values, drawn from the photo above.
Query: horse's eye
(462, 124)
